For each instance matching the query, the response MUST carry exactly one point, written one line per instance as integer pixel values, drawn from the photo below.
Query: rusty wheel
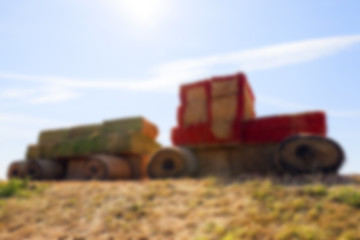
(106, 167)
(172, 162)
(45, 169)
(17, 169)
(309, 154)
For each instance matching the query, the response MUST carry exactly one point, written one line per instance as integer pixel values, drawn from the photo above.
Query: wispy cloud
(344, 113)
(25, 120)
(281, 103)
(166, 77)
(53, 94)
(38, 95)
(14, 93)
(287, 106)
(18, 130)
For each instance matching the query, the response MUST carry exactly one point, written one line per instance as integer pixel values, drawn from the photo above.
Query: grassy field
(249, 208)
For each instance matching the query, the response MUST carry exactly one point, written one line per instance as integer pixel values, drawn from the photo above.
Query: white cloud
(344, 113)
(166, 77)
(293, 106)
(13, 93)
(281, 103)
(54, 94)
(25, 120)
(37, 95)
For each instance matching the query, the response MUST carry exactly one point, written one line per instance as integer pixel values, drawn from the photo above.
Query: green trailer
(114, 149)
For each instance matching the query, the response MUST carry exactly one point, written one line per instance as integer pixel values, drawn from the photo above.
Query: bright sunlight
(144, 13)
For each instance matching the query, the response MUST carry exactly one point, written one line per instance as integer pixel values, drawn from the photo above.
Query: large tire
(17, 169)
(76, 168)
(309, 154)
(172, 162)
(45, 169)
(105, 167)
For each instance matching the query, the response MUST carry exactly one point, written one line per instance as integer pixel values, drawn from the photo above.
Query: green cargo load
(131, 125)
(119, 126)
(53, 136)
(85, 131)
(47, 150)
(129, 135)
(113, 149)
(33, 152)
(127, 143)
(133, 143)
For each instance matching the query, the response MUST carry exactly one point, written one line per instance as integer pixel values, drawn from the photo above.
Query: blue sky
(67, 62)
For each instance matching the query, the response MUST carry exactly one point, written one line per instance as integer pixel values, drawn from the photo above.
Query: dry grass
(186, 209)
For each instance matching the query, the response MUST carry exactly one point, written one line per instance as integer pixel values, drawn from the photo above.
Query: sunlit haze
(66, 62)
(143, 13)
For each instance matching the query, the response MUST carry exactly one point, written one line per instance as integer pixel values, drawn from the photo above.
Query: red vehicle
(218, 133)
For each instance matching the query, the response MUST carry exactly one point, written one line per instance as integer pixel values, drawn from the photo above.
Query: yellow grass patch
(184, 209)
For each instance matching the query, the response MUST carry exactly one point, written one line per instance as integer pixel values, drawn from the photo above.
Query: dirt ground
(210, 208)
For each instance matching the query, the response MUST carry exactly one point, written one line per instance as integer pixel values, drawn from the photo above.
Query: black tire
(308, 155)
(172, 162)
(45, 169)
(17, 169)
(106, 167)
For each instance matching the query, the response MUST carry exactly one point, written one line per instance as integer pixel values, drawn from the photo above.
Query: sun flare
(144, 12)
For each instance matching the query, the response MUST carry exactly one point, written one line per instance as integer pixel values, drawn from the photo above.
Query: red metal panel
(178, 137)
(277, 128)
(180, 115)
(192, 135)
(202, 134)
